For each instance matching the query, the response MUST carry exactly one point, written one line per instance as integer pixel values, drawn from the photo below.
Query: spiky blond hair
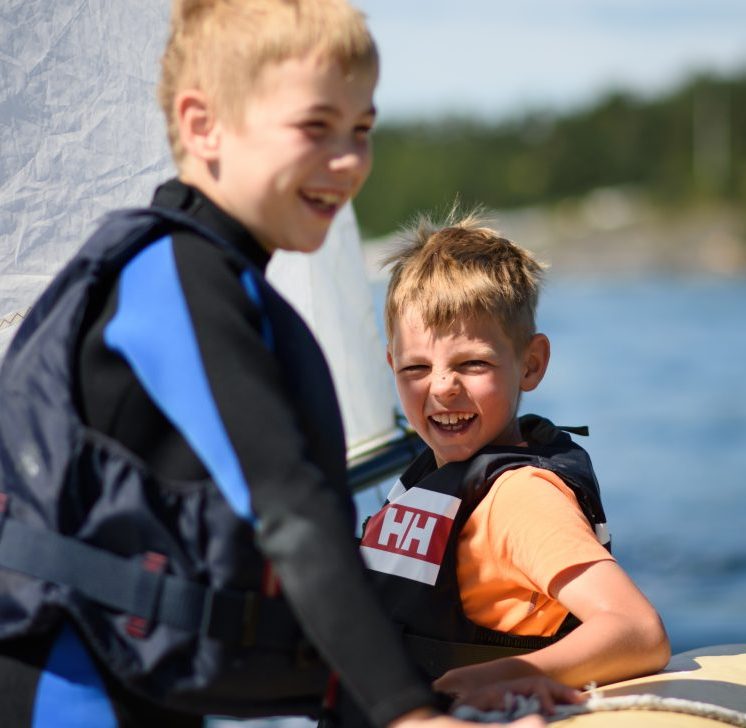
(221, 46)
(461, 269)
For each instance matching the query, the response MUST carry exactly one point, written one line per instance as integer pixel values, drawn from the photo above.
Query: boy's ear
(535, 362)
(199, 131)
(389, 358)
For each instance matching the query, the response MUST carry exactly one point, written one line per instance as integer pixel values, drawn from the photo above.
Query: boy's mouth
(452, 421)
(325, 202)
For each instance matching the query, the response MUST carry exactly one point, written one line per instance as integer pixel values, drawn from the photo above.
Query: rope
(673, 705)
(519, 706)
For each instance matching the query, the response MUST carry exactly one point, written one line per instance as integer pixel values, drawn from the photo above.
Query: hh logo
(409, 531)
(409, 536)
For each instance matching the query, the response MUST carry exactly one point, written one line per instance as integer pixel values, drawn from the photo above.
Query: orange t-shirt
(527, 530)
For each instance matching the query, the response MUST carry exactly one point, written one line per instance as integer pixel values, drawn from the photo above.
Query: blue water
(657, 369)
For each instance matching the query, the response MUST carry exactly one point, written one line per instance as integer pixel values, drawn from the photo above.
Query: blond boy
(491, 509)
(181, 537)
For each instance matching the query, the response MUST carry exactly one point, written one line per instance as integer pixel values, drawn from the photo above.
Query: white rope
(520, 706)
(672, 705)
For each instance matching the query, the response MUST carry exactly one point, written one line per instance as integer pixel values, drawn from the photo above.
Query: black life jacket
(161, 578)
(410, 545)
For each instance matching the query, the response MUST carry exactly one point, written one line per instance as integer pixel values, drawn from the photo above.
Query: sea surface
(656, 368)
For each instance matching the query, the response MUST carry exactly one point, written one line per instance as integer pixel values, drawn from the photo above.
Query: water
(656, 368)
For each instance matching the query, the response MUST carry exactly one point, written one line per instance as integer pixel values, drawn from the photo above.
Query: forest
(684, 147)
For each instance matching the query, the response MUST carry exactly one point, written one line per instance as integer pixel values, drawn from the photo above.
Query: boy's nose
(444, 384)
(350, 158)
(349, 161)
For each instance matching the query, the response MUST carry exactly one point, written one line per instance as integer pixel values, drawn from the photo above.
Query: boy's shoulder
(530, 483)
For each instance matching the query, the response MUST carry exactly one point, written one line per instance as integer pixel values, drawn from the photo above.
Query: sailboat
(81, 133)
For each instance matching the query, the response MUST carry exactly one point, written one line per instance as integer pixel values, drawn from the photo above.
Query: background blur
(607, 115)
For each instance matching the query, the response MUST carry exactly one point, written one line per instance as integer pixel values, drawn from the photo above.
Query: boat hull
(715, 675)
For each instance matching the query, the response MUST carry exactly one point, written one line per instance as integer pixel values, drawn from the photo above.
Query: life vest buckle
(153, 563)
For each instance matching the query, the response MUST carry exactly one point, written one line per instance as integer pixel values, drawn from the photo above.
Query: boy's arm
(621, 636)
(552, 545)
(302, 525)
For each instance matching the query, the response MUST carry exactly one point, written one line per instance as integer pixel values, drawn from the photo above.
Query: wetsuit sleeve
(211, 371)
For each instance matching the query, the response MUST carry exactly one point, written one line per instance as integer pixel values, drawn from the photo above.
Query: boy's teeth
(451, 418)
(327, 198)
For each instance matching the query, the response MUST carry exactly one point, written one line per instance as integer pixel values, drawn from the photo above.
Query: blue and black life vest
(162, 579)
(410, 545)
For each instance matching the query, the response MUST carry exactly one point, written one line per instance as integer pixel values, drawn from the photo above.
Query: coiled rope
(520, 706)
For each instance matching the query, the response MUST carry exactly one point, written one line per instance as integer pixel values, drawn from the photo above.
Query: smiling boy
(460, 387)
(299, 152)
(494, 537)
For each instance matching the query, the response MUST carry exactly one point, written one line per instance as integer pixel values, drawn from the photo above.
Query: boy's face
(302, 152)
(459, 388)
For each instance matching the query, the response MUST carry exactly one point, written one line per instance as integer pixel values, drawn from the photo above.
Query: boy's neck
(197, 174)
(511, 436)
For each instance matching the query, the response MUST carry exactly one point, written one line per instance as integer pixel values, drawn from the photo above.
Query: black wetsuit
(303, 523)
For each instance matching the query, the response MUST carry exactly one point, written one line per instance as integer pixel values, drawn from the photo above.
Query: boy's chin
(308, 244)
(453, 455)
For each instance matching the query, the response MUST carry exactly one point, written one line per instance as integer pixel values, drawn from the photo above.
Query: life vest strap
(124, 585)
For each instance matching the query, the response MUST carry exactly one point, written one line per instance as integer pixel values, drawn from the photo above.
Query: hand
(426, 718)
(465, 680)
(496, 696)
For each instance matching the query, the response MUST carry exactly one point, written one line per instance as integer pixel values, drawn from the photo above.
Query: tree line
(686, 146)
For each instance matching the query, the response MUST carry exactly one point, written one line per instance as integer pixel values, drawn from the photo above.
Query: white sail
(81, 133)
(330, 289)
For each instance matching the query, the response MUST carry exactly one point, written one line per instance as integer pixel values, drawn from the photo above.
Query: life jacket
(410, 545)
(162, 579)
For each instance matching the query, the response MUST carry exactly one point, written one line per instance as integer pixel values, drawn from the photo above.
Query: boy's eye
(363, 131)
(315, 127)
(475, 365)
(414, 369)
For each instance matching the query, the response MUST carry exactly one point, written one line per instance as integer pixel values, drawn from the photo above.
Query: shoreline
(613, 234)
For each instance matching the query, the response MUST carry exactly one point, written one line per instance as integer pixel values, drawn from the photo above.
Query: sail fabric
(330, 289)
(81, 133)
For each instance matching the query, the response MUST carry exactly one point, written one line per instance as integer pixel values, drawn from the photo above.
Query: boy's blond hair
(463, 269)
(220, 46)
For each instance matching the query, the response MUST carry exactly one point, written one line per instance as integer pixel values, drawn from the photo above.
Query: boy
(485, 548)
(169, 427)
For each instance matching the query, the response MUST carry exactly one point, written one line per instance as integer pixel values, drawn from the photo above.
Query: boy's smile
(302, 151)
(460, 387)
